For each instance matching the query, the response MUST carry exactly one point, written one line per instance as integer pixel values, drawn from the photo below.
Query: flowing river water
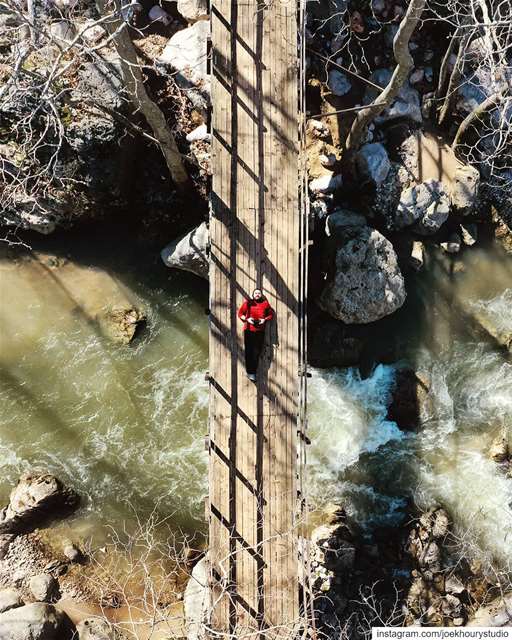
(125, 425)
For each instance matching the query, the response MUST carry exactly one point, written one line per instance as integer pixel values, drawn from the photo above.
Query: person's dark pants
(253, 341)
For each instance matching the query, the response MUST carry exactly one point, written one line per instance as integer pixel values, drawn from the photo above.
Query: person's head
(257, 294)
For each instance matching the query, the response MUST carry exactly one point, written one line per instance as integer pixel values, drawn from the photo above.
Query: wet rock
(426, 204)
(10, 599)
(36, 621)
(499, 450)
(122, 323)
(409, 399)
(339, 83)
(36, 498)
(327, 183)
(464, 191)
(330, 346)
(97, 629)
(189, 252)
(372, 163)
(453, 244)
(193, 10)
(44, 588)
(405, 106)
(365, 283)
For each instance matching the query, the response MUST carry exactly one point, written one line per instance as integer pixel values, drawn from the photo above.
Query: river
(125, 425)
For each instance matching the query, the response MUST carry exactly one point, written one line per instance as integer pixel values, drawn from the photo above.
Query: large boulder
(372, 163)
(464, 191)
(365, 282)
(35, 499)
(193, 10)
(406, 105)
(189, 252)
(186, 53)
(338, 83)
(36, 621)
(427, 205)
(10, 599)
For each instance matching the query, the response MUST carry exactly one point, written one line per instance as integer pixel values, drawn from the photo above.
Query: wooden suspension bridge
(258, 239)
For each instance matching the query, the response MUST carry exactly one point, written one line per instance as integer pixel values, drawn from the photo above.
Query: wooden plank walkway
(254, 230)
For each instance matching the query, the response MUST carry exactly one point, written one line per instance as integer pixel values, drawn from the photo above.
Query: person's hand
(250, 320)
(261, 321)
(243, 318)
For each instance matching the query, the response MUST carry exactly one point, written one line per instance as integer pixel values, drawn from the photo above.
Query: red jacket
(256, 310)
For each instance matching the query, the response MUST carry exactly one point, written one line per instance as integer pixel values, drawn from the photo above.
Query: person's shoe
(252, 377)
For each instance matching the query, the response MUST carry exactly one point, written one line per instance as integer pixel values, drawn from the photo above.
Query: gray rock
(339, 83)
(464, 192)
(187, 54)
(405, 106)
(10, 599)
(342, 225)
(193, 10)
(36, 621)
(97, 629)
(101, 81)
(72, 552)
(366, 283)
(196, 600)
(63, 31)
(189, 252)
(44, 588)
(426, 204)
(372, 163)
(36, 498)
(327, 183)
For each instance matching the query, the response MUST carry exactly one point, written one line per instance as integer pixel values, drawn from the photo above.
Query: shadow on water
(124, 423)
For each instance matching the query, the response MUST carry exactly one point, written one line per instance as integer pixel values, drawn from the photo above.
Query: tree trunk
(134, 83)
(455, 77)
(404, 65)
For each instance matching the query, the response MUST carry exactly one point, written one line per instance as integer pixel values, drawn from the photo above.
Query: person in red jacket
(254, 313)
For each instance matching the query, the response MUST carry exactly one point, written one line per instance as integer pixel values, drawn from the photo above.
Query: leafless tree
(39, 74)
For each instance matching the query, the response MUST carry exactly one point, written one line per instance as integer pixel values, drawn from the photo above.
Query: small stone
(157, 14)
(44, 588)
(327, 160)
